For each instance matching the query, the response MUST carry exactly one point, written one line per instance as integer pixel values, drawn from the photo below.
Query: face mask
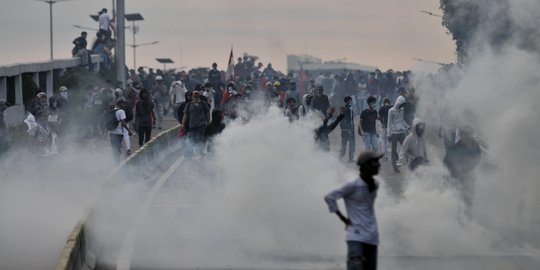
(371, 105)
(64, 94)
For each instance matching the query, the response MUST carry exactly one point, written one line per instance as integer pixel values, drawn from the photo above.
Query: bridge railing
(11, 84)
(82, 248)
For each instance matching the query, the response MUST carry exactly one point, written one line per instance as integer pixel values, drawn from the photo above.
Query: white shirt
(179, 92)
(120, 115)
(360, 210)
(104, 20)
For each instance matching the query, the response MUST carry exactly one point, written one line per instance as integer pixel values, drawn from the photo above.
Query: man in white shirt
(361, 223)
(104, 24)
(117, 135)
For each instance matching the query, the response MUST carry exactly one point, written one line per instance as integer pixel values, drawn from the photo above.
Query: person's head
(319, 90)
(118, 92)
(104, 11)
(368, 163)
(207, 86)
(400, 102)
(144, 94)
(291, 102)
(347, 100)
(371, 101)
(84, 34)
(292, 85)
(239, 59)
(419, 127)
(386, 102)
(309, 97)
(214, 65)
(196, 96)
(159, 79)
(53, 103)
(42, 97)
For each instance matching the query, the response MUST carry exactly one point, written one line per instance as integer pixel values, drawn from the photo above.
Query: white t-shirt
(104, 20)
(120, 115)
(360, 209)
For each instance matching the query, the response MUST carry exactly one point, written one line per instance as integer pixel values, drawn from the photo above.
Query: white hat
(180, 83)
(159, 78)
(63, 88)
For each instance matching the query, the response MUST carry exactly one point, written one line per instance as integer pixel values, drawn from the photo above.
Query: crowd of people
(203, 100)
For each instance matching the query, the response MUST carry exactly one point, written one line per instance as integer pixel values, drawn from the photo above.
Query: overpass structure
(43, 74)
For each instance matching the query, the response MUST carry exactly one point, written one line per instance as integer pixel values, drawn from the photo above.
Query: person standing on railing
(105, 25)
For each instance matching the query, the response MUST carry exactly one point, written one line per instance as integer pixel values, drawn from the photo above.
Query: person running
(397, 128)
(320, 101)
(413, 153)
(160, 95)
(116, 126)
(196, 118)
(367, 128)
(322, 132)
(143, 117)
(360, 223)
(383, 117)
(347, 130)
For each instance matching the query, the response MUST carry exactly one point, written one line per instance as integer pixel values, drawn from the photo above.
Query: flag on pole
(230, 68)
(303, 79)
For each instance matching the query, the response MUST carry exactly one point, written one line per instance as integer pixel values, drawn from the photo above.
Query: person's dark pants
(144, 133)
(196, 137)
(394, 139)
(347, 136)
(361, 256)
(116, 143)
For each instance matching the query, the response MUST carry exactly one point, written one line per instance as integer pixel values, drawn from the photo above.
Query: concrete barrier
(82, 249)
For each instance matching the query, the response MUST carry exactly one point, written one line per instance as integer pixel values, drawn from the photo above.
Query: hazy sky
(383, 33)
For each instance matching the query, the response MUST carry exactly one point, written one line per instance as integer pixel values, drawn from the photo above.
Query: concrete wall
(15, 114)
(82, 249)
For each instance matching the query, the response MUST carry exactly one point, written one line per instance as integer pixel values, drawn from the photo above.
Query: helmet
(63, 88)
(159, 78)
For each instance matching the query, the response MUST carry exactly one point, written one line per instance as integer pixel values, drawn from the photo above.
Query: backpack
(111, 122)
(127, 109)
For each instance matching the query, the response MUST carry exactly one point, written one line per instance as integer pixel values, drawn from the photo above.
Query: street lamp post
(133, 17)
(51, 2)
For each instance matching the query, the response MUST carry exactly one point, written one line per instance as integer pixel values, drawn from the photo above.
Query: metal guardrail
(81, 249)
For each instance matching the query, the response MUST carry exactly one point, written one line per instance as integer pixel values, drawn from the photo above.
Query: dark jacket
(143, 112)
(320, 104)
(322, 132)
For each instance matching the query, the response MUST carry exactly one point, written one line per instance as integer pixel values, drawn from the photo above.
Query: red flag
(303, 79)
(230, 68)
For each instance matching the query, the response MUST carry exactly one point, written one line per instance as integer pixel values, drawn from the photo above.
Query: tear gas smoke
(41, 200)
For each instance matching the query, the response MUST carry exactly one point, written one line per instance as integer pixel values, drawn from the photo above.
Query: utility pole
(120, 43)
